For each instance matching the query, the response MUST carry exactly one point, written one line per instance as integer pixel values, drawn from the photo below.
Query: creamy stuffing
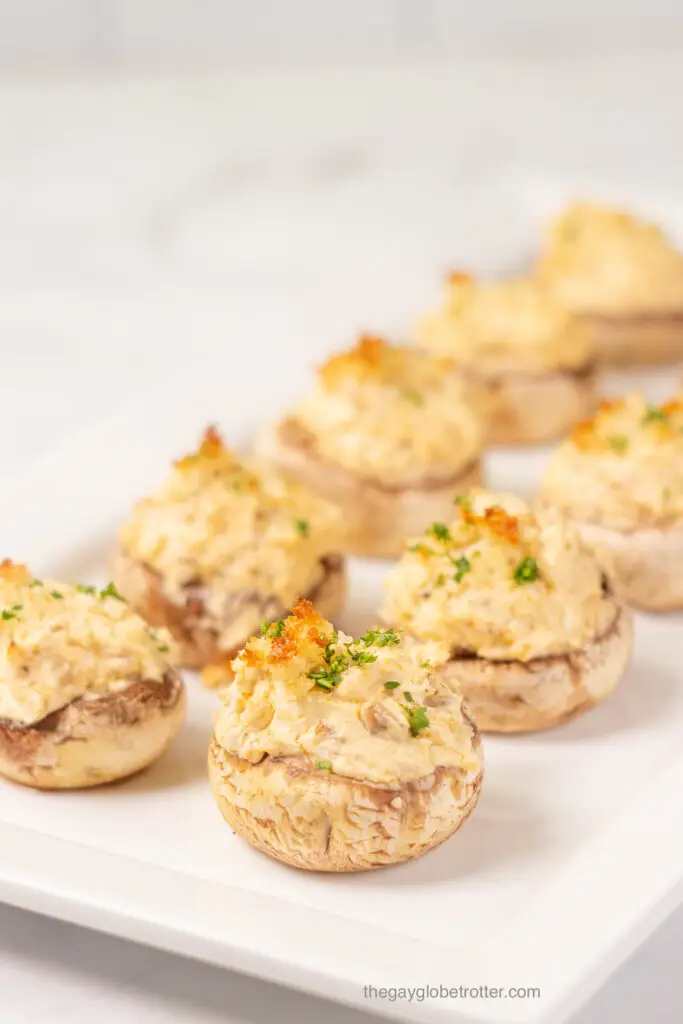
(513, 326)
(60, 642)
(392, 415)
(600, 260)
(499, 582)
(369, 709)
(624, 468)
(217, 525)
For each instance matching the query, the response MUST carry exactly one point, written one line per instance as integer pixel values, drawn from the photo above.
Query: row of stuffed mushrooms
(338, 753)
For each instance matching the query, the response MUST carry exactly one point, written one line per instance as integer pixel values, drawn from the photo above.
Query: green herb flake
(618, 443)
(111, 591)
(463, 501)
(302, 527)
(421, 549)
(6, 615)
(440, 580)
(653, 414)
(163, 649)
(324, 766)
(362, 657)
(526, 572)
(272, 629)
(439, 531)
(462, 566)
(381, 638)
(392, 684)
(408, 696)
(57, 596)
(17, 607)
(417, 718)
(83, 588)
(426, 663)
(36, 583)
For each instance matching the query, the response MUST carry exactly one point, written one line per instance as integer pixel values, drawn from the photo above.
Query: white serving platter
(574, 853)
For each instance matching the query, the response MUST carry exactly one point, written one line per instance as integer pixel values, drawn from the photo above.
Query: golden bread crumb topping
(624, 467)
(391, 414)
(499, 582)
(369, 709)
(602, 260)
(512, 326)
(216, 525)
(60, 642)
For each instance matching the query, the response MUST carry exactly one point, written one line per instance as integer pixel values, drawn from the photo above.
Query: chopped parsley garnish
(381, 638)
(417, 718)
(84, 588)
(392, 684)
(302, 527)
(463, 501)
(440, 580)
(408, 696)
(653, 414)
(421, 549)
(526, 571)
(439, 531)
(324, 766)
(272, 629)
(57, 596)
(17, 607)
(618, 443)
(163, 648)
(462, 566)
(328, 676)
(362, 657)
(111, 591)
(412, 396)
(6, 615)
(426, 663)
(36, 583)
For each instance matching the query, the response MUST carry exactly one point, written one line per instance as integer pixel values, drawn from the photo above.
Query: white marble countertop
(145, 221)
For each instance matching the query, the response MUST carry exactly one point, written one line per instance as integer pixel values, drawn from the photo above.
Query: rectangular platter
(574, 853)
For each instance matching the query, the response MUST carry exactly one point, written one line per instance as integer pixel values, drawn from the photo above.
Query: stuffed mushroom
(534, 632)
(623, 277)
(218, 548)
(87, 691)
(529, 362)
(619, 478)
(334, 754)
(388, 436)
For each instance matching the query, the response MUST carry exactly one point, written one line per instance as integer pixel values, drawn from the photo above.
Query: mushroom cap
(197, 637)
(527, 408)
(324, 822)
(517, 696)
(98, 738)
(652, 339)
(645, 565)
(378, 518)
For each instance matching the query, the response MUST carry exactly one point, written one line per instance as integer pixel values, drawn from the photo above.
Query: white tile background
(285, 32)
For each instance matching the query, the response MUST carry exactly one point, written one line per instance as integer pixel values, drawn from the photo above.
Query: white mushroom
(623, 277)
(87, 693)
(388, 435)
(218, 549)
(534, 633)
(619, 478)
(386, 779)
(526, 361)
